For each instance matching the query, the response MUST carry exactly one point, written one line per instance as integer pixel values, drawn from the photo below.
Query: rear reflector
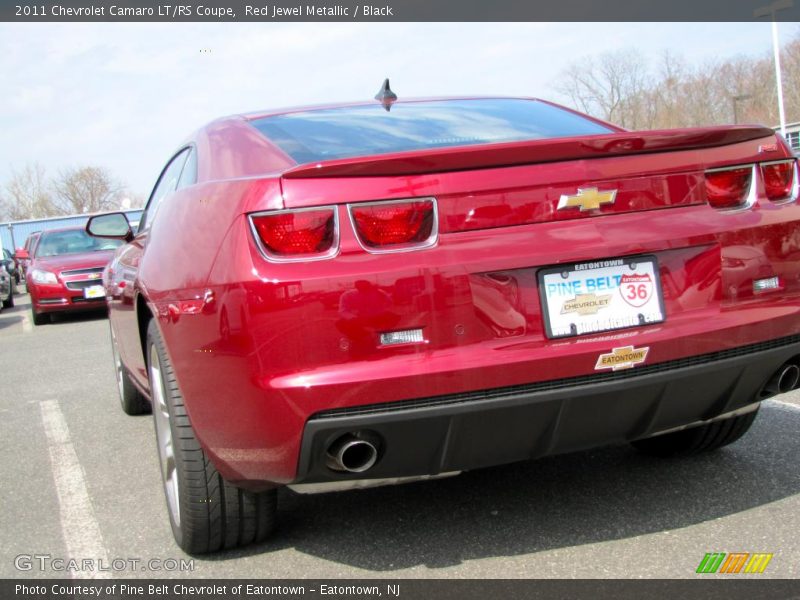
(778, 179)
(395, 225)
(297, 234)
(728, 188)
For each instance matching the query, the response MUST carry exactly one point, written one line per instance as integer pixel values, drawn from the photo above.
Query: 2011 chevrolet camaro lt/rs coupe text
(343, 296)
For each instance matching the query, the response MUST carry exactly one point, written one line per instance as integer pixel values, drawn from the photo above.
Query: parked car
(10, 264)
(352, 295)
(65, 271)
(6, 288)
(22, 255)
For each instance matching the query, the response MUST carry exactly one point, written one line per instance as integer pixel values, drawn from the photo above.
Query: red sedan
(352, 295)
(64, 274)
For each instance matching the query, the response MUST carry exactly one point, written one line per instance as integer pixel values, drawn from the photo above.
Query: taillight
(778, 179)
(302, 234)
(395, 224)
(729, 188)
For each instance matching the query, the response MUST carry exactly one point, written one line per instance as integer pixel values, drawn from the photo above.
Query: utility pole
(770, 10)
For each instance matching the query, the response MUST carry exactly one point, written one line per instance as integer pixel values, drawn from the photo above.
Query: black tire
(130, 398)
(40, 318)
(10, 302)
(703, 438)
(206, 512)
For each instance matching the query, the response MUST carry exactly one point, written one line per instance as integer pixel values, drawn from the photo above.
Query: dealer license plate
(601, 295)
(94, 291)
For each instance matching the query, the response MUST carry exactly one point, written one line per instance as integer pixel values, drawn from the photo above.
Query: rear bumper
(282, 345)
(491, 427)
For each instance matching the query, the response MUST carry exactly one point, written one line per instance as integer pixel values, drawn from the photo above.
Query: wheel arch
(143, 317)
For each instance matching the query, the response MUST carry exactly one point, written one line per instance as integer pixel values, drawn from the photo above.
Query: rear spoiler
(527, 152)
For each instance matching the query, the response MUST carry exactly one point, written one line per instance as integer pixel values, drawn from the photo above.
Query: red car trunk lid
(623, 182)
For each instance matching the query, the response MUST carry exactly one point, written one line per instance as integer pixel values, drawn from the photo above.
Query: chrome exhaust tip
(351, 454)
(784, 380)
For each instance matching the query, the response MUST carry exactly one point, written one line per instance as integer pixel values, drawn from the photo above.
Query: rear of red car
(472, 305)
(347, 296)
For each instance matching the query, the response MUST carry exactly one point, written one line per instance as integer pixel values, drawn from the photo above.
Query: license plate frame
(622, 313)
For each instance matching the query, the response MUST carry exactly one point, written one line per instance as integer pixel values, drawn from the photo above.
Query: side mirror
(111, 225)
(22, 254)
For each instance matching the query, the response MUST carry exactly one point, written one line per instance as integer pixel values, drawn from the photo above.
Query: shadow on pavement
(8, 321)
(77, 317)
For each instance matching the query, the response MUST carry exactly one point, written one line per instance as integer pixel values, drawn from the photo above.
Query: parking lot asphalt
(81, 480)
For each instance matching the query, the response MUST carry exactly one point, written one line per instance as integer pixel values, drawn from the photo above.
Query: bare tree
(613, 87)
(619, 87)
(669, 92)
(87, 190)
(27, 195)
(790, 56)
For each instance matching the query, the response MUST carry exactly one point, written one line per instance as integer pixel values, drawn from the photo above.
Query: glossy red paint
(258, 347)
(72, 274)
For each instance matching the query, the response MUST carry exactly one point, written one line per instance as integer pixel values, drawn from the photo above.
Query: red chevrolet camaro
(351, 295)
(64, 273)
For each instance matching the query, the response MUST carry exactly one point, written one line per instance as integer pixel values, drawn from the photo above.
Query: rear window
(330, 134)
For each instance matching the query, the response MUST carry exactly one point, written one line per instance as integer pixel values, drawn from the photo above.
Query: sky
(125, 95)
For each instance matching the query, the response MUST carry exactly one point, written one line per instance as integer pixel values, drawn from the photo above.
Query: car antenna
(386, 96)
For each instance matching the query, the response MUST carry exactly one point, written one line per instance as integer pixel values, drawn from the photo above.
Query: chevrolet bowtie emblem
(587, 199)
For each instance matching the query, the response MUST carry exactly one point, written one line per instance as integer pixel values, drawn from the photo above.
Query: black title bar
(397, 10)
(404, 589)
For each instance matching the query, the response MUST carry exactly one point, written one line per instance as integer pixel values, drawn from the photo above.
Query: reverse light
(40, 276)
(779, 179)
(407, 336)
(766, 285)
(395, 225)
(302, 234)
(729, 188)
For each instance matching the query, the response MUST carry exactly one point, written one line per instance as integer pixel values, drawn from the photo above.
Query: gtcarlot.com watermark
(48, 562)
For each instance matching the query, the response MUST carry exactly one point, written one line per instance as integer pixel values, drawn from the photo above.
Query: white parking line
(26, 323)
(78, 524)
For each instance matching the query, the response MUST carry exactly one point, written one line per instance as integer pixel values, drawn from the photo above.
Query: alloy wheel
(117, 365)
(164, 438)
